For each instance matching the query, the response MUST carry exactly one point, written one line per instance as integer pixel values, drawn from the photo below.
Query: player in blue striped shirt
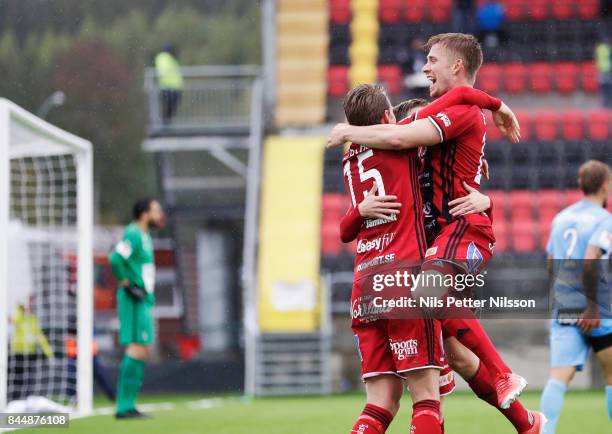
(581, 313)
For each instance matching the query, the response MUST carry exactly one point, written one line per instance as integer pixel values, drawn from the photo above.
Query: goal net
(46, 197)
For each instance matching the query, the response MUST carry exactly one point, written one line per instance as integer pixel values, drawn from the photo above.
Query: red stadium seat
(572, 196)
(500, 230)
(588, 8)
(515, 74)
(563, 9)
(493, 133)
(572, 125)
(590, 80)
(391, 77)
(440, 10)
(546, 125)
(490, 78)
(525, 119)
(499, 198)
(414, 11)
(523, 236)
(337, 80)
(537, 10)
(390, 11)
(330, 238)
(339, 11)
(515, 9)
(567, 77)
(598, 124)
(541, 77)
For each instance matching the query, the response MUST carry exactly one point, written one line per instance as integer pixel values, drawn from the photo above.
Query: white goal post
(46, 261)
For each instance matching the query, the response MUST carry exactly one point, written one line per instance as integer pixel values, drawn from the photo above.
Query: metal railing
(215, 99)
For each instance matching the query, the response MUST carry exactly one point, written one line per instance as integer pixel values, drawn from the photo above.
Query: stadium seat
(414, 11)
(440, 10)
(588, 9)
(500, 230)
(490, 78)
(391, 77)
(540, 77)
(546, 125)
(515, 74)
(515, 9)
(598, 124)
(339, 11)
(563, 9)
(337, 80)
(493, 133)
(571, 196)
(525, 119)
(390, 11)
(590, 81)
(331, 244)
(572, 125)
(567, 76)
(523, 235)
(537, 10)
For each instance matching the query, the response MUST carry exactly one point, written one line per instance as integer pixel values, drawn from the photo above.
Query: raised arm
(387, 136)
(462, 95)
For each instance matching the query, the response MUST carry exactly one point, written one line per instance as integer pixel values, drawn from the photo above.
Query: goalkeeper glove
(136, 292)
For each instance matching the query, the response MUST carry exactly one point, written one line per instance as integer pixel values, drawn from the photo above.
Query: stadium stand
(302, 61)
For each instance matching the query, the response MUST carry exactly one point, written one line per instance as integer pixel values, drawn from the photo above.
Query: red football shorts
(466, 243)
(394, 346)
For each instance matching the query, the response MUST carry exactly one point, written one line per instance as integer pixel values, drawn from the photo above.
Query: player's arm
(373, 207)
(598, 244)
(120, 255)
(462, 95)
(590, 318)
(394, 137)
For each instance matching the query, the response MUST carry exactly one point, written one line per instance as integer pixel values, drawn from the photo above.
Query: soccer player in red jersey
(463, 243)
(391, 350)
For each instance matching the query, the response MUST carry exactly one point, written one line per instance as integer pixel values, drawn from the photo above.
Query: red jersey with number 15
(381, 243)
(456, 159)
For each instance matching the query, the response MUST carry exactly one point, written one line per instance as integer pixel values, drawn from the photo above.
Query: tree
(104, 103)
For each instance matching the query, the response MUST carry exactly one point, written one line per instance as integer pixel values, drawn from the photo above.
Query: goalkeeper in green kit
(132, 261)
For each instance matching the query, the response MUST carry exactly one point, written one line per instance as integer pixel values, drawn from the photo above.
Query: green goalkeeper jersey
(133, 259)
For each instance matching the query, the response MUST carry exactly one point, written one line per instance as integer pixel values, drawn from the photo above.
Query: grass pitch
(584, 413)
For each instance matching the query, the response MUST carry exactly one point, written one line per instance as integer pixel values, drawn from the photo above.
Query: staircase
(292, 364)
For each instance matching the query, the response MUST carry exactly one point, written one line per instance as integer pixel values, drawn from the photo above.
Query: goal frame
(55, 142)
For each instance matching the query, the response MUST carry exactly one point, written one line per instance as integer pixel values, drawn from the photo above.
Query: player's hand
(506, 122)
(378, 207)
(485, 169)
(590, 320)
(136, 292)
(337, 136)
(475, 202)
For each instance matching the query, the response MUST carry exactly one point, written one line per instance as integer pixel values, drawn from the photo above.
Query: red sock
(426, 417)
(470, 333)
(482, 385)
(442, 426)
(372, 420)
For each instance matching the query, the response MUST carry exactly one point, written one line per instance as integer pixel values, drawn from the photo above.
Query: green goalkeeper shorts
(135, 320)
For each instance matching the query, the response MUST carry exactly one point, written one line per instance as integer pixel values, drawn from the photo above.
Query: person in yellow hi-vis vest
(603, 60)
(25, 355)
(169, 80)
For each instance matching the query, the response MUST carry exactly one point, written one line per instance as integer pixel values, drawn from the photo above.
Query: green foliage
(96, 52)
